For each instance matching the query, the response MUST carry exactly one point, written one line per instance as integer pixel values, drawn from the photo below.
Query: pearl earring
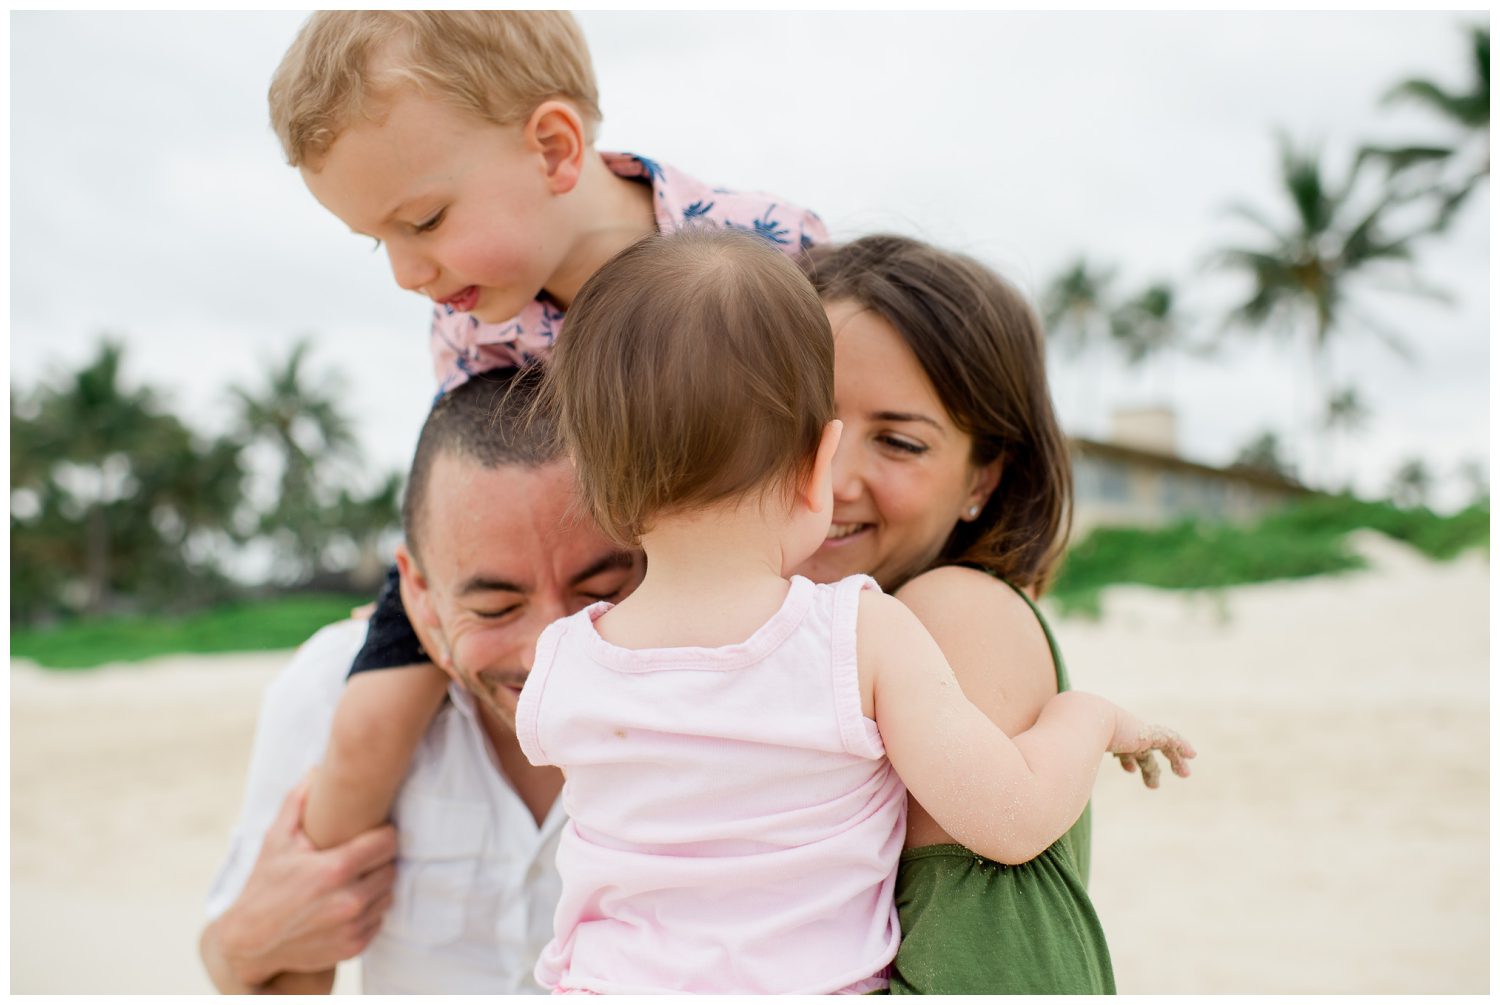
(973, 512)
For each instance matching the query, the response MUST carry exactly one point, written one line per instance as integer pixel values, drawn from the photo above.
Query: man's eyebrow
(486, 584)
(907, 417)
(615, 560)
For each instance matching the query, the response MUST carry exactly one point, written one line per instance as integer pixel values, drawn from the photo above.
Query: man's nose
(541, 615)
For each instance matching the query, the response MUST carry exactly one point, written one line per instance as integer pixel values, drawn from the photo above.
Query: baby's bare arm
(1005, 799)
(379, 721)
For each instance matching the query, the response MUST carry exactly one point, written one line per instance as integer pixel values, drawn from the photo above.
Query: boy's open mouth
(463, 300)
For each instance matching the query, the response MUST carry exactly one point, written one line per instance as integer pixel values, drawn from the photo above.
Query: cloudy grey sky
(149, 198)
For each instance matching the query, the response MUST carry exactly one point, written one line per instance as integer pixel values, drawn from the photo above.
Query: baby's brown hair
(346, 65)
(695, 368)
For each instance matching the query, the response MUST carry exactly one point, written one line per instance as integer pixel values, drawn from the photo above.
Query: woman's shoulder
(960, 590)
(991, 637)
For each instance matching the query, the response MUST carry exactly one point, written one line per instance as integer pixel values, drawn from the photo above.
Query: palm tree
(1265, 453)
(1305, 273)
(303, 425)
(367, 523)
(1075, 307)
(91, 424)
(1411, 483)
(1450, 171)
(113, 486)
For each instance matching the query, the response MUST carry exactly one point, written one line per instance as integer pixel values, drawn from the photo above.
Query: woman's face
(902, 477)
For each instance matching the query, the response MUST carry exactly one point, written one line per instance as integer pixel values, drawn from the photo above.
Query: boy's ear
(557, 133)
(819, 484)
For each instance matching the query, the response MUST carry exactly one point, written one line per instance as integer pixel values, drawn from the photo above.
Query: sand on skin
(1333, 838)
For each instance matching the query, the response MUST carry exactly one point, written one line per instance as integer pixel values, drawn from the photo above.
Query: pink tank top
(734, 823)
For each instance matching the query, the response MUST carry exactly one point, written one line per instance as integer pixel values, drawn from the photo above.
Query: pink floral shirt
(462, 345)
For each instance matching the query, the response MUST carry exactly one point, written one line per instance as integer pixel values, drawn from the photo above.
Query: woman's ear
(982, 484)
(557, 133)
(817, 491)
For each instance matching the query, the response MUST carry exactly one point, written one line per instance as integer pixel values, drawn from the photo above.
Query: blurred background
(1260, 244)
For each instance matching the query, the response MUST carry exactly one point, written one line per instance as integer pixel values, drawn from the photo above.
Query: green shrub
(1304, 539)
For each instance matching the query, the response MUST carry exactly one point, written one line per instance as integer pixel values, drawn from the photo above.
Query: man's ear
(416, 597)
(819, 484)
(557, 133)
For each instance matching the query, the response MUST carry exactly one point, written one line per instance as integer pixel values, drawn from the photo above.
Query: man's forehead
(511, 525)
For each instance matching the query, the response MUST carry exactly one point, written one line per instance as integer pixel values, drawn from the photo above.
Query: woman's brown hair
(981, 346)
(695, 367)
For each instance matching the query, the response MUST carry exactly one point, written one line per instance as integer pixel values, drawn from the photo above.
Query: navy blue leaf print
(653, 169)
(697, 209)
(771, 229)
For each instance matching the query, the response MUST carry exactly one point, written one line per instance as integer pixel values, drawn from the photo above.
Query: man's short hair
(498, 66)
(490, 420)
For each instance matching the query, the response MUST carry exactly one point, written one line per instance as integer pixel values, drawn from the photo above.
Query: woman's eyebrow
(907, 417)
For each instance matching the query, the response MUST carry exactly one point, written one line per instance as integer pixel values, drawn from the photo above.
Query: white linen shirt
(476, 879)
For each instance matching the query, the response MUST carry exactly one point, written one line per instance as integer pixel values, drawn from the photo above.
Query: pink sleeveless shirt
(734, 823)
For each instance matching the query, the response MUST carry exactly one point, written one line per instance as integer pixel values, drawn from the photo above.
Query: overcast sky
(149, 198)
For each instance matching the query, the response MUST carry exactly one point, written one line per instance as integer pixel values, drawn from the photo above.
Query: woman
(952, 488)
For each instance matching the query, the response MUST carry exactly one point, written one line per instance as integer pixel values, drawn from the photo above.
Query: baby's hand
(1134, 745)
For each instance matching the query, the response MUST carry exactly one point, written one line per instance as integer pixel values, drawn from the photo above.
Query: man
(459, 897)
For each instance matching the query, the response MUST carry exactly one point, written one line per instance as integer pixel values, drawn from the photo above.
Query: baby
(738, 744)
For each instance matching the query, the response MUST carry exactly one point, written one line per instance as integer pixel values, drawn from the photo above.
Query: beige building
(1136, 478)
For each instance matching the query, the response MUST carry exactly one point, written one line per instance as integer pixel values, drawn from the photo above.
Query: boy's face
(463, 207)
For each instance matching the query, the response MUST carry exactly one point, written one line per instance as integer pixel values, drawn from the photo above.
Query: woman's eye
(906, 446)
(431, 222)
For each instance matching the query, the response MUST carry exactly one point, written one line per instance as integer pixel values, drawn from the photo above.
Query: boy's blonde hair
(695, 367)
(495, 65)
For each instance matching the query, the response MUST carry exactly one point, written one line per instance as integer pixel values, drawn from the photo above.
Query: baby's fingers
(1178, 756)
(1150, 770)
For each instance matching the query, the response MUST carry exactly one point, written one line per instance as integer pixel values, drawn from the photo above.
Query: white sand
(1334, 837)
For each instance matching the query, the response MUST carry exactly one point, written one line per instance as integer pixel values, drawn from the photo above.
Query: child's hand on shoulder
(1135, 745)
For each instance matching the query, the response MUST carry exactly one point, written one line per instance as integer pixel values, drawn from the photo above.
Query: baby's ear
(817, 491)
(557, 133)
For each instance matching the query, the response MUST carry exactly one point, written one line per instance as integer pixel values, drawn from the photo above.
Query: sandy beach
(1333, 837)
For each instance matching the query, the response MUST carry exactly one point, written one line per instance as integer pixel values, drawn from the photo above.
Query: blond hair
(695, 367)
(495, 65)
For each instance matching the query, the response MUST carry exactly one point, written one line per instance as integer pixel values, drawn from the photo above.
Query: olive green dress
(970, 925)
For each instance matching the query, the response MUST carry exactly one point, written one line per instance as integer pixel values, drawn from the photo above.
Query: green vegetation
(279, 623)
(1303, 540)
(119, 507)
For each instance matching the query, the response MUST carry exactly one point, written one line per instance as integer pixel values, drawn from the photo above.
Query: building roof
(1152, 458)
